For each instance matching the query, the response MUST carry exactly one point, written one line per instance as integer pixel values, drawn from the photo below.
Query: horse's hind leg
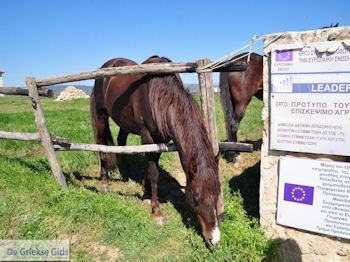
(122, 161)
(238, 113)
(234, 125)
(103, 137)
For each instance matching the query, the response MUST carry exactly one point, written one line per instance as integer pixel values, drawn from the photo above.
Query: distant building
(1, 82)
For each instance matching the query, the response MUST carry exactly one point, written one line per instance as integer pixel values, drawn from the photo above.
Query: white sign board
(310, 98)
(314, 195)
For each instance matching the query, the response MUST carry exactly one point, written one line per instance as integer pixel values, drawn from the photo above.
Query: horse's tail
(226, 103)
(111, 159)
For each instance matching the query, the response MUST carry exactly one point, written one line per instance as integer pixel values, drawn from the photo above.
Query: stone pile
(71, 93)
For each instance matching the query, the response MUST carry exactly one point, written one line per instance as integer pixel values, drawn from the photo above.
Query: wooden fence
(52, 143)
(19, 91)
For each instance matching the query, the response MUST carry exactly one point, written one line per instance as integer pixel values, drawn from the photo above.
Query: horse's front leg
(150, 182)
(152, 177)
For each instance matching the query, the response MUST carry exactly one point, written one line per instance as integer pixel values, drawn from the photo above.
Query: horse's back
(119, 96)
(100, 84)
(113, 87)
(116, 62)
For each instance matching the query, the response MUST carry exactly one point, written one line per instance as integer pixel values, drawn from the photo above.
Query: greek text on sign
(310, 98)
(315, 196)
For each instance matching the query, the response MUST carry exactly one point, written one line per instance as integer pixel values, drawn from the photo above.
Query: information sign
(314, 195)
(310, 98)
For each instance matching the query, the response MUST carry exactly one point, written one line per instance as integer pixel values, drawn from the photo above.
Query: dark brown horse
(236, 91)
(157, 108)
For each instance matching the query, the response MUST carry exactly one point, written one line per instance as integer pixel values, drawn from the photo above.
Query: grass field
(117, 226)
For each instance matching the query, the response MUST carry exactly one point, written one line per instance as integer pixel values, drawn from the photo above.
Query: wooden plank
(30, 137)
(235, 146)
(235, 67)
(151, 148)
(44, 133)
(63, 144)
(209, 116)
(20, 136)
(208, 103)
(203, 94)
(19, 91)
(161, 68)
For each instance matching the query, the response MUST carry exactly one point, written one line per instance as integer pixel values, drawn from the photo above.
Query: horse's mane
(177, 116)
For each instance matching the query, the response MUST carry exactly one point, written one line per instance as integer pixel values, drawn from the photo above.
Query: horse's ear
(193, 168)
(217, 158)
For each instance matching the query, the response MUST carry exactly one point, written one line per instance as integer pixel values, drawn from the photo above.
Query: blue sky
(48, 38)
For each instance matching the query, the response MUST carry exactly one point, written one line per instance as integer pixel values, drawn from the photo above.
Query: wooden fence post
(44, 133)
(208, 103)
(209, 116)
(204, 80)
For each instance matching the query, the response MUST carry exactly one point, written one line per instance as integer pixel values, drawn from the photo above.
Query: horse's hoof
(159, 221)
(221, 217)
(105, 188)
(146, 201)
(230, 157)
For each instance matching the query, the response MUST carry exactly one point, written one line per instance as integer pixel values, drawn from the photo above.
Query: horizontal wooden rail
(30, 137)
(19, 91)
(63, 144)
(155, 68)
(151, 148)
(20, 136)
(235, 146)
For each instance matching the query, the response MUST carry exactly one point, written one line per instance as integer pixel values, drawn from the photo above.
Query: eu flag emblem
(284, 55)
(299, 193)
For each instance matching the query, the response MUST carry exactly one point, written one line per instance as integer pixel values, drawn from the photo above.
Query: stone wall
(294, 245)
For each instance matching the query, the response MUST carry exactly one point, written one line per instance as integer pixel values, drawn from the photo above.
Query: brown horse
(236, 91)
(157, 108)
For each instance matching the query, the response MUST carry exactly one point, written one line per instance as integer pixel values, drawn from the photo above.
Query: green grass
(118, 224)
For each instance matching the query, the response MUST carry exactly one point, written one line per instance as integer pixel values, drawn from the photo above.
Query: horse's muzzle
(213, 241)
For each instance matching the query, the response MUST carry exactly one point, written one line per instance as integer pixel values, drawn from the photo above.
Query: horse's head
(202, 192)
